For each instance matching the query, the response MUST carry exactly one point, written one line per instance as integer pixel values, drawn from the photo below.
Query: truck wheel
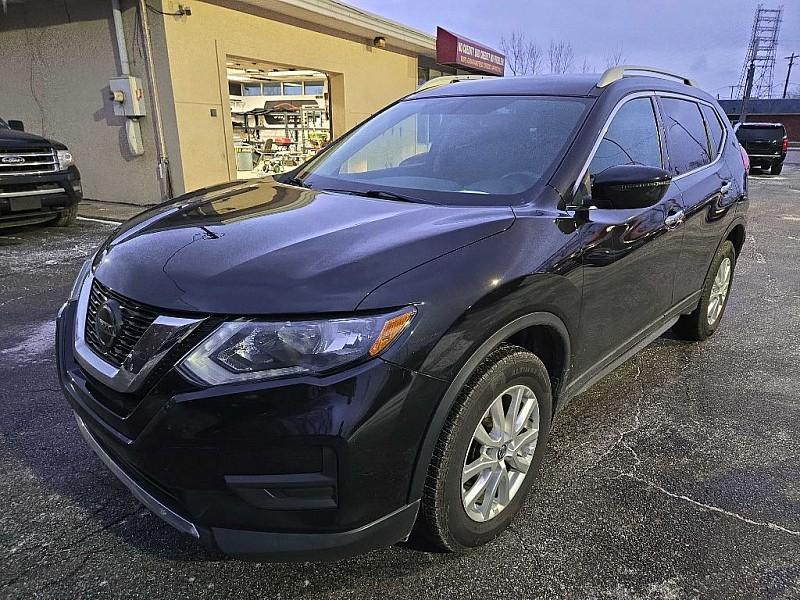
(776, 168)
(488, 451)
(705, 319)
(67, 217)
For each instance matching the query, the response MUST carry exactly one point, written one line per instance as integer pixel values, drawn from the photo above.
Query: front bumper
(29, 199)
(299, 469)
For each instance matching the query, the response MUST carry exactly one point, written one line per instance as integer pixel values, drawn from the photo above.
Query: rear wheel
(67, 217)
(705, 319)
(776, 168)
(488, 452)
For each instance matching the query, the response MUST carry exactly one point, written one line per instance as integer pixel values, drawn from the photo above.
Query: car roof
(583, 85)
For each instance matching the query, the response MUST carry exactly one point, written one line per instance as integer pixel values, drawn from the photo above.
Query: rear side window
(632, 138)
(714, 128)
(686, 135)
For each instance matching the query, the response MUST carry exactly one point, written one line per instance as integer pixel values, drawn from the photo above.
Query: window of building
(313, 88)
(252, 89)
(632, 138)
(234, 88)
(714, 128)
(686, 135)
(272, 88)
(292, 88)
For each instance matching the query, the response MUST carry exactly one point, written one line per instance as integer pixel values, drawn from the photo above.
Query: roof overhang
(352, 21)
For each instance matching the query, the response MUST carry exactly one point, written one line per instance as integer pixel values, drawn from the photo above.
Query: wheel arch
(538, 332)
(736, 236)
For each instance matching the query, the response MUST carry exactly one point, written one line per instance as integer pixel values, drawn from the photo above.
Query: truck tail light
(785, 147)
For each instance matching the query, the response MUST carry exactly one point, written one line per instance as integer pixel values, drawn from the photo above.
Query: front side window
(631, 138)
(686, 135)
(456, 150)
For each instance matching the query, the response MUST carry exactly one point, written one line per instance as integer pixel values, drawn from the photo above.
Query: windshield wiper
(295, 181)
(382, 194)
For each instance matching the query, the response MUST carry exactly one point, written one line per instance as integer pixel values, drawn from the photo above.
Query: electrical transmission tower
(761, 53)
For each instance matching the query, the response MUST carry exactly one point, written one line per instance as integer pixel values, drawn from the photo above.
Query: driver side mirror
(629, 187)
(16, 125)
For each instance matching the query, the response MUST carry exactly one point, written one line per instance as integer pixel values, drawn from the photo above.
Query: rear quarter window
(714, 128)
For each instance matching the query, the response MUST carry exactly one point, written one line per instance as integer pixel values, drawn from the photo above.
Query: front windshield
(457, 150)
(3, 124)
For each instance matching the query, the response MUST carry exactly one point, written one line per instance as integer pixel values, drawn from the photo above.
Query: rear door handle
(725, 187)
(674, 219)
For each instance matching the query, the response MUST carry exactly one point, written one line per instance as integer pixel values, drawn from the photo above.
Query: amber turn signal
(391, 329)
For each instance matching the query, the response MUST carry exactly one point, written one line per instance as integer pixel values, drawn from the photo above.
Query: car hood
(267, 248)
(22, 139)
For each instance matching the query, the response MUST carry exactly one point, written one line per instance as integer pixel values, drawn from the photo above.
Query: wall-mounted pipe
(163, 158)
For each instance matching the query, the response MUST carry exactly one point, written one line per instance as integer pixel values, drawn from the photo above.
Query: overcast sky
(703, 39)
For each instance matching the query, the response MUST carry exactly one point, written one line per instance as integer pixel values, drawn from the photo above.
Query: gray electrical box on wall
(127, 95)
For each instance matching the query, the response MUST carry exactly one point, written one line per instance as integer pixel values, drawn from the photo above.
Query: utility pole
(733, 87)
(748, 88)
(789, 72)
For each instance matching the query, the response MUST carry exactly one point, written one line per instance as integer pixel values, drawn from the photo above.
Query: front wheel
(705, 319)
(488, 451)
(67, 217)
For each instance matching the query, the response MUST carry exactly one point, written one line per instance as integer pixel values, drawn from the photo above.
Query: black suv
(378, 341)
(766, 144)
(39, 181)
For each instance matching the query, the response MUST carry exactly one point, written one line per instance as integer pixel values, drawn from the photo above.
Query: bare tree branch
(615, 57)
(561, 57)
(523, 57)
(587, 67)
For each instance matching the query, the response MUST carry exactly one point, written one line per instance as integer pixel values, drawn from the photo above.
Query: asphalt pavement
(677, 476)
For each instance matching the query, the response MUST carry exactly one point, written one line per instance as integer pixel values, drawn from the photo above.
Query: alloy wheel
(719, 291)
(500, 453)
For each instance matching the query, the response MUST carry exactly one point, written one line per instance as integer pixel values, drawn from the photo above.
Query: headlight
(82, 275)
(65, 160)
(247, 350)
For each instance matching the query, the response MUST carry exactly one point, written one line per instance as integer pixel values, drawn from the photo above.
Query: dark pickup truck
(766, 144)
(39, 182)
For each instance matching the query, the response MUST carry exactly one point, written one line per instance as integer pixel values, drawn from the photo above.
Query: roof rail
(448, 79)
(616, 73)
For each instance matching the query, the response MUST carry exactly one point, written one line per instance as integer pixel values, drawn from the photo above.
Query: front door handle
(674, 219)
(725, 187)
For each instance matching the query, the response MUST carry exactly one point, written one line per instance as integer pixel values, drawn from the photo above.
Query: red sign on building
(460, 52)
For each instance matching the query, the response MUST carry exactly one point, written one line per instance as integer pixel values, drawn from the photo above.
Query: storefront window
(252, 89)
(272, 88)
(292, 88)
(313, 88)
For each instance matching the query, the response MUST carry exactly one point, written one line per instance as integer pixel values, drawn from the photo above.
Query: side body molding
(446, 404)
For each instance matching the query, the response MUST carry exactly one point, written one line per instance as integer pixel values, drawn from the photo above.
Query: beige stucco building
(58, 58)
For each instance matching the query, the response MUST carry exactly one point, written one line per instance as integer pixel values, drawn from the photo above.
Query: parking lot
(688, 487)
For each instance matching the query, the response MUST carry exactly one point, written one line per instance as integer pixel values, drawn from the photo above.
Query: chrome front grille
(28, 161)
(135, 321)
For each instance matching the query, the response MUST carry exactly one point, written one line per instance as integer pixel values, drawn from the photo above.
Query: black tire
(443, 521)
(67, 217)
(776, 168)
(695, 326)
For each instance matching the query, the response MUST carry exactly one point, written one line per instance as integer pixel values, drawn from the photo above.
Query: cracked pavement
(677, 476)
